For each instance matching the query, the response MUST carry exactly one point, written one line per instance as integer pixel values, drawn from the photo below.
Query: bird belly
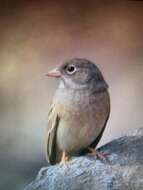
(82, 121)
(79, 132)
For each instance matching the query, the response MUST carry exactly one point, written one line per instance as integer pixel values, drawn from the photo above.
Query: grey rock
(122, 170)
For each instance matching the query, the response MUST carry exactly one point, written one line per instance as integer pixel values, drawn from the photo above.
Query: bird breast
(82, 117)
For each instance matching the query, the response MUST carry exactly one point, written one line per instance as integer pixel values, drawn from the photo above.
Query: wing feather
(51, 147)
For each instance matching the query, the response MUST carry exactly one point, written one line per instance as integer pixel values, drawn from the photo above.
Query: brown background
(35, 36)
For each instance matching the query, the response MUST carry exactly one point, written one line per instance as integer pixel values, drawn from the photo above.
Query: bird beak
(54, 73)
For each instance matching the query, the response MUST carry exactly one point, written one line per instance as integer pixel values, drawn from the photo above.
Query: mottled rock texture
(122, 170)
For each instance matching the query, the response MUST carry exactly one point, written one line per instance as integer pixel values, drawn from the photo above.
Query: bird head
(79, 73)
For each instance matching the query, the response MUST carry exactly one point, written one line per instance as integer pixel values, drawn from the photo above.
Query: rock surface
(122, 170)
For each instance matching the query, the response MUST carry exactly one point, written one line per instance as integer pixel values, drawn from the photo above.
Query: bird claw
(64, 159)
(94, 152)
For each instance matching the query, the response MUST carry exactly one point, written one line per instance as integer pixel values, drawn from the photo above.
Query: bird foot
(64, 159)
(94, 152)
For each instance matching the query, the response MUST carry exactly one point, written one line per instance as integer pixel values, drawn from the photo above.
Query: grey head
(78, 74)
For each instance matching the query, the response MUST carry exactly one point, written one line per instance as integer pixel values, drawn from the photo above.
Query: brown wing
(96, 141)
(51, 147)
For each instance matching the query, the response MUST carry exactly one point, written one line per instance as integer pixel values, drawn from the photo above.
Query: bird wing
(96, 141)
(51, 147)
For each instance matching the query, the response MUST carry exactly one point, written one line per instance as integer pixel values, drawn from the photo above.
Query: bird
(79, 112)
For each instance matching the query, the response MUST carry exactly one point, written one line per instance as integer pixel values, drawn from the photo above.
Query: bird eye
(70, 69)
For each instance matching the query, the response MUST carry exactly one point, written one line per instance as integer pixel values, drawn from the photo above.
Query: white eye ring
(70, 69)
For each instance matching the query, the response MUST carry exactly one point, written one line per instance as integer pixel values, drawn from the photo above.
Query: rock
(122, 170)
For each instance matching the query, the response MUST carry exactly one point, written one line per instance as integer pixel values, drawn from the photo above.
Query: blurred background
(35, 36)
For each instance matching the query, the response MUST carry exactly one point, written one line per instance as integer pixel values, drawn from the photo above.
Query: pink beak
(54, 73)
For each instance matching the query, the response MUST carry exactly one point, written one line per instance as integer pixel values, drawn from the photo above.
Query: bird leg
(64, 158)
(94, 152)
